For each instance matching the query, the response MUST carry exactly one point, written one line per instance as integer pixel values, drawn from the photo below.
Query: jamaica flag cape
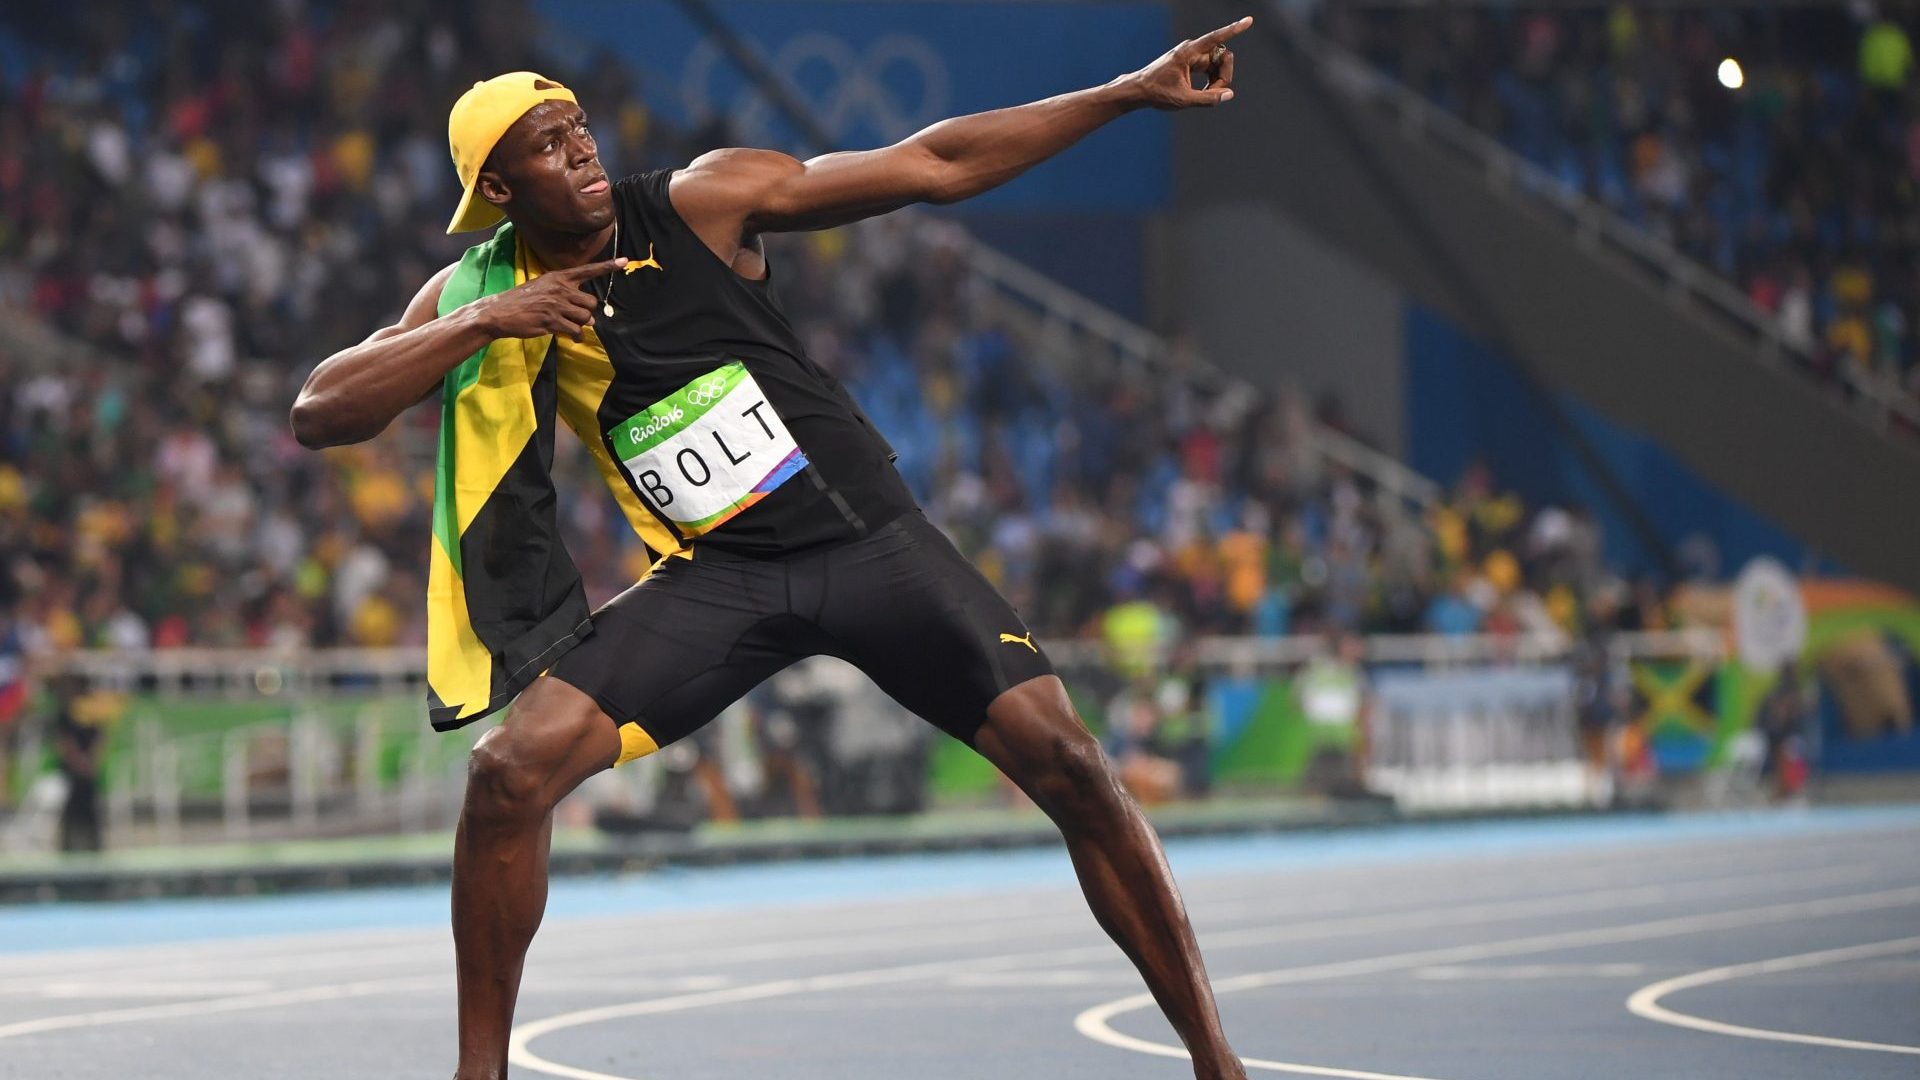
(504, 599)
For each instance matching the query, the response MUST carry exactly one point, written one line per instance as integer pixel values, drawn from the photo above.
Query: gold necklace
(606, 306)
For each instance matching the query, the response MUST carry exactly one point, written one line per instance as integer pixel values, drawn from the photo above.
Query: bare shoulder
(718, 193)
(727, 178)
(737, 162)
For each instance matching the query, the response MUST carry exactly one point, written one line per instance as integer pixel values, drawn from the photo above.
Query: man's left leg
(1034, 736)
(907, 608)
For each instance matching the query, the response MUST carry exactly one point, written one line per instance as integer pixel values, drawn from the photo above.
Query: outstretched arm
(730, 196)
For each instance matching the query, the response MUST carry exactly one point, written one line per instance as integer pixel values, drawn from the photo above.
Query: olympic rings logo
(891, 88)
(708, 391)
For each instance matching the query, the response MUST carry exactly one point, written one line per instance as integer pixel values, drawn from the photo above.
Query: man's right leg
(554, 737)
(664, 658)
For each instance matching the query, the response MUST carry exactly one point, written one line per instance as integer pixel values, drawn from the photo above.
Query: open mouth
(595, 188)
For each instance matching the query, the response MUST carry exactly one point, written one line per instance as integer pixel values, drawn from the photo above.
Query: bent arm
(729, 196)
(355, 393)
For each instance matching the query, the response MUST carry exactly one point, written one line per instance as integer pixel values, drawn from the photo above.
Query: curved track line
(368, 987)
(311, 952)
(1092, 1024)
(1645, 1002)
(519, 1052)
(520, 1047)
(1095, 1023)
(1471, 908)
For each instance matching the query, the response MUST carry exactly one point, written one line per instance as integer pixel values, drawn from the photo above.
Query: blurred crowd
(1792, 171)
(212, 197)
(213, 201)
(1118, 501)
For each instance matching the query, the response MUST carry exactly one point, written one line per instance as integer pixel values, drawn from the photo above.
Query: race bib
(709, 450)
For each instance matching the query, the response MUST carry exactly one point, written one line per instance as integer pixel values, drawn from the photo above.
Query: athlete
(656, 292)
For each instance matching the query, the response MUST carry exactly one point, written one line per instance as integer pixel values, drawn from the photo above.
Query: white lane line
(1054, 977)
(116, 959)
(519, 1050)
(768, 951)
(1102, 951)
(1096, 1023)
(1398, 919)
(557, 948)
(201, 988)
(239, 1003)
(554, 949)
(1645, 1002)
(992, 929)
(377, 946)
(984, 926)
(1496, 972)
(367, 987)
(1494, 910)
(360, 950)
(357, 947)
(633, 984)
(1645, 863)
(320, 953)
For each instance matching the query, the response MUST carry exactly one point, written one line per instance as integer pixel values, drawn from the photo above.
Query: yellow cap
(477, 121)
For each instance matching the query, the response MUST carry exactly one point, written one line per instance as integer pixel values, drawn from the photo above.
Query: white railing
(1136, 343)
(1242, 655)
(1594, 225)
(342, 741)
(271, 673)
(251, 673)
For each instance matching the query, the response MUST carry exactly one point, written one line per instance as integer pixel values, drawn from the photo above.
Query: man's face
(546, 170)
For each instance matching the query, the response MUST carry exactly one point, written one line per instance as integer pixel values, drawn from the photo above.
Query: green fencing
(1260, 737)
(385, 735)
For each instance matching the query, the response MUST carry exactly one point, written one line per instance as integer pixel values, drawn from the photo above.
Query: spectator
(1886, 56)
(1333, 697)
(77, 742)
(1136, 723)
(209, 230)
(1783, 719)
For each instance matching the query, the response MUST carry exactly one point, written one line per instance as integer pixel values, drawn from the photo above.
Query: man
(655, 291)
(77, 739)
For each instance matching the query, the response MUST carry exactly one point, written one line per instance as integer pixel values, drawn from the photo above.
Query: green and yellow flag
(504, 599)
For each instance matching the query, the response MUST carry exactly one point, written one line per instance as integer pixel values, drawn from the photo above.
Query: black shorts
(901, 604)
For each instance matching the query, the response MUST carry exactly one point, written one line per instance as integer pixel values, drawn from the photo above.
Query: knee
(1034, 735)
(520, 769)
(503, 783)
(1074, 783)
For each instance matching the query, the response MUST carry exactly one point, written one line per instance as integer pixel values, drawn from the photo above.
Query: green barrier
(1277, 741)
(198, 729)
(1271, 745)
(956, 771)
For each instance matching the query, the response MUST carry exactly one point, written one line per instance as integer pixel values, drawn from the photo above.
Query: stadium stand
(169, 506)
(1791, 172)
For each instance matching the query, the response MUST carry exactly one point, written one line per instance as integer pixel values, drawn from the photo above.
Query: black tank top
(713, 415)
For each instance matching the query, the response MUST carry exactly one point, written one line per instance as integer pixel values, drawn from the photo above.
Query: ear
(490, 186)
